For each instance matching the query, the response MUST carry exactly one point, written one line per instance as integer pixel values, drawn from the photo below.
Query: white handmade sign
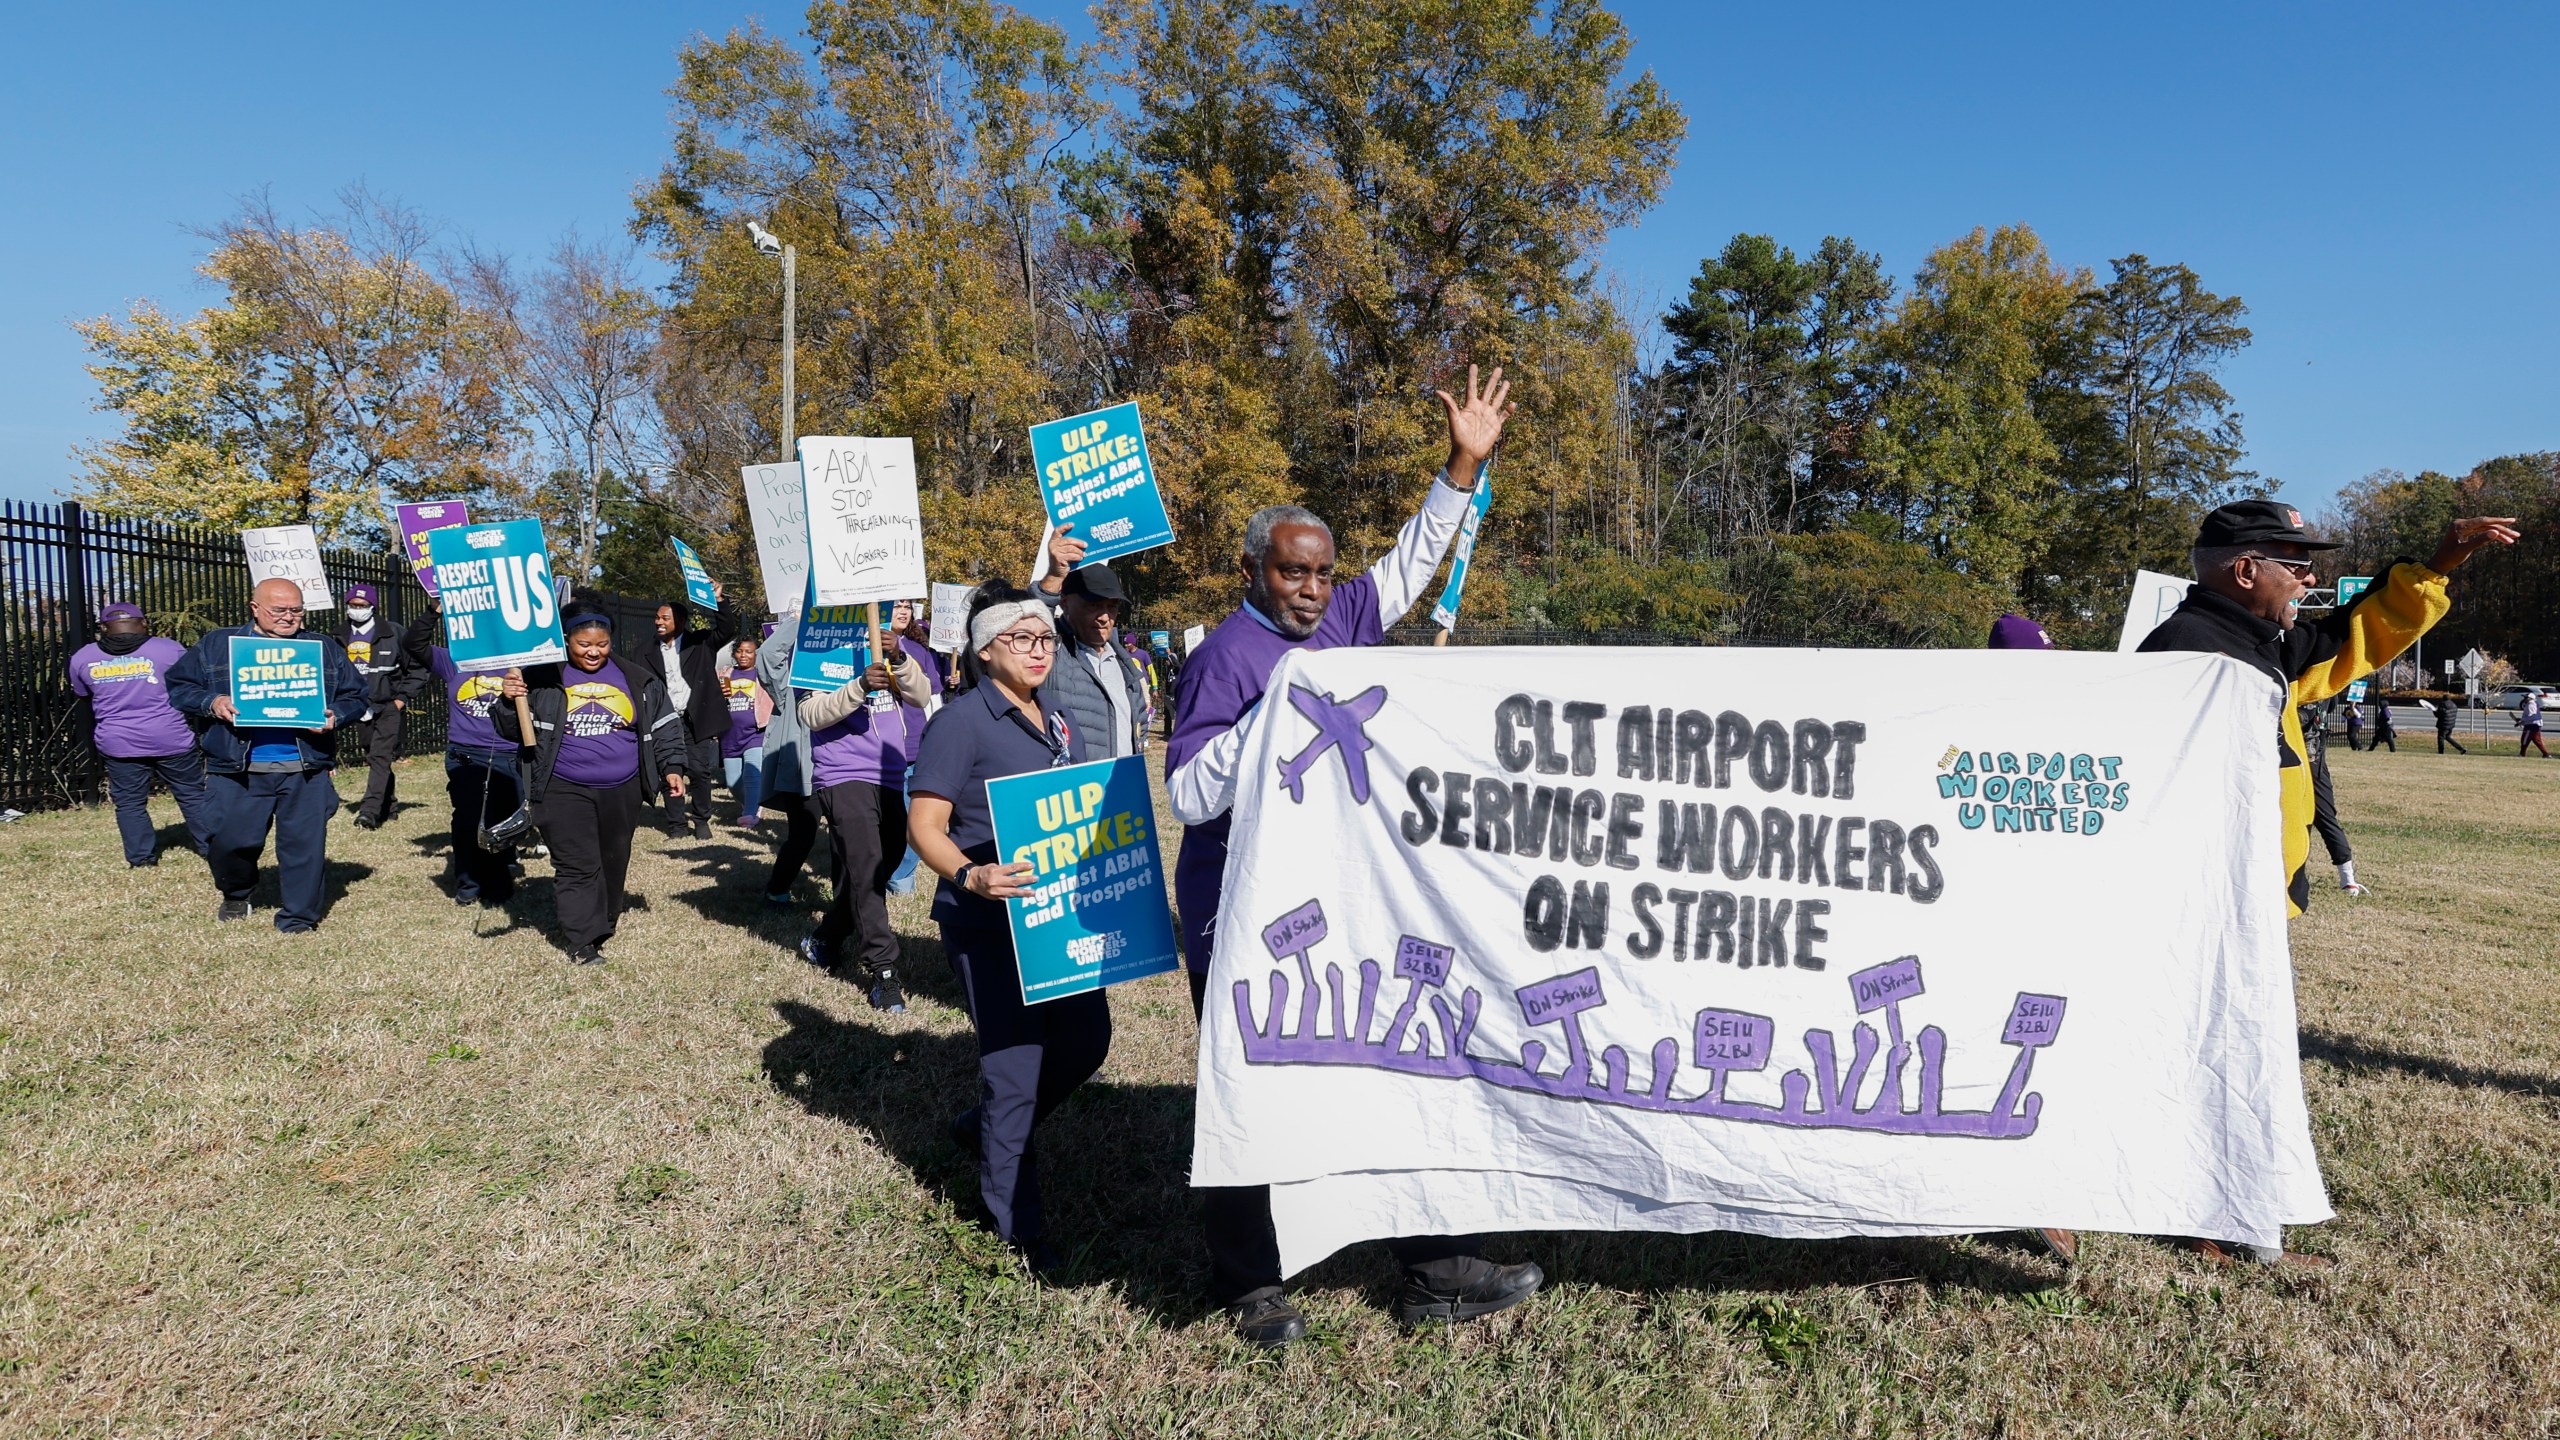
(2154, 596)
(288, 552)
(866, 542)
(1801, 943)
(780, 514)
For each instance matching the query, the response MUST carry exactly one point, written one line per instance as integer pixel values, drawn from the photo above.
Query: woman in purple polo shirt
(139, 733)
(602, 742)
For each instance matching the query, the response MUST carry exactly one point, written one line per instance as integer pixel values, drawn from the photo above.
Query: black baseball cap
(1096, 582)
(2257, 522)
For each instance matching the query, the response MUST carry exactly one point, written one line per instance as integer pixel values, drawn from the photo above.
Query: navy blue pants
(298, 804)
(129, 786)
(1030, 1059)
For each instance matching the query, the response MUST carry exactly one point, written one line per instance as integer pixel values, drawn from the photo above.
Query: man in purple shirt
(1291, 603)
(139, 734)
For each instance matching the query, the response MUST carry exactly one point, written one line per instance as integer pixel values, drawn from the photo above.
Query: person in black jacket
(690, 664)
(603, 739)
(2444, 725)
(373, 647)
(1103, 691)
(262, 775)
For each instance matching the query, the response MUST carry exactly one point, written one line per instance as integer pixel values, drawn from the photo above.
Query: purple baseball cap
(120, 610)
(361, 593)
(2017, 632)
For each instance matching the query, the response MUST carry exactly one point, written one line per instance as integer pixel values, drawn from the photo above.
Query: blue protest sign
(1094, 474)
(281, 683)
(1160, 641)
(697, 581)
(1445, 614)
(832, 647)
(499, 605)
(1098, 912)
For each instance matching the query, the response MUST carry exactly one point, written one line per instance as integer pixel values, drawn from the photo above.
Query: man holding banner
(262, 775)
(1291, 604)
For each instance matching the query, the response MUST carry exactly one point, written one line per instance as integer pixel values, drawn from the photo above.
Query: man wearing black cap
(2253, 566)
(373, 647)
(1101, 689)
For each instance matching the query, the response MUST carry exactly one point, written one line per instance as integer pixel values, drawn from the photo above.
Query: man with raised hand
(1292, 603)
(266, 775)
(2254, 564)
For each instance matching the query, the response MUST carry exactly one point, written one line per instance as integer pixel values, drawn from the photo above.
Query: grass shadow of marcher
(1113, 1159)
(2359, 1057)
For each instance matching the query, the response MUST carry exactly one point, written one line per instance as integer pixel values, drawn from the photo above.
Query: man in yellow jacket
(2253, 566)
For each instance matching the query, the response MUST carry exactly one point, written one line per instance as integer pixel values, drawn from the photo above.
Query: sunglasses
(2297, 567)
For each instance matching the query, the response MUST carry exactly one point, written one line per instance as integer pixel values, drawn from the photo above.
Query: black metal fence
(59, 563)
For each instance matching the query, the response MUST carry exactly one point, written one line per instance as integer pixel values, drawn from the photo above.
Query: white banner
(780, 514)
(950, 616)
(865, 540)
(2154, 596)
(1802, 943)
(290, 552)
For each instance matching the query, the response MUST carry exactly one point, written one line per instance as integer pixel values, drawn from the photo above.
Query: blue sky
(2381, 184)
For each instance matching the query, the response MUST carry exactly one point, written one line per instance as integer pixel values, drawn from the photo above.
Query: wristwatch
(961, 876)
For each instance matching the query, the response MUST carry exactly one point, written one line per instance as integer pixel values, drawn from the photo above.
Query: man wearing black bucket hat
(2254, 564)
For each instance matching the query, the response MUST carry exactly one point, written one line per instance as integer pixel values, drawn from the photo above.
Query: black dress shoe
(1265, 1318)
(701, 829)
(586, 955)
(232, 910)
(1487, 1288)
(965, 1131)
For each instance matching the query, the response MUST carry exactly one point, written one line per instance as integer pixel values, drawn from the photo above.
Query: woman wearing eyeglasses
(1030, 1057)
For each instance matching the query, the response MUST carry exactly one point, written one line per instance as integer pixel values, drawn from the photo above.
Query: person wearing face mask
(373, 647)
(603, 740)
(1030, 1057)
(1291, 603)
(2253, 565)
(139, 734)
(481, 778)
(264, 775)
(861, 740)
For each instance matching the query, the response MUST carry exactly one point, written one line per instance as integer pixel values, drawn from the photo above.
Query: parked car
(2511, 697)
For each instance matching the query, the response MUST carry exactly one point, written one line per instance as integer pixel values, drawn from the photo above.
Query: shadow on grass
(2355, 1056)
(1115, 1176)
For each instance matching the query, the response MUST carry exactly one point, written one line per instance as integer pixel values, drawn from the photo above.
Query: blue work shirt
(978, 737)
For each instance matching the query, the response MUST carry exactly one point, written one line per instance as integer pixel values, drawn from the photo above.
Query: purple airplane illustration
(1339, 726)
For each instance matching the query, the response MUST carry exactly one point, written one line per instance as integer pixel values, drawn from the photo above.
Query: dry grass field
(416, 1175)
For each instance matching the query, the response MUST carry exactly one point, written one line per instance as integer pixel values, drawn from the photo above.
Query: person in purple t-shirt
(139, 734)
(480, 774)
(742, 747)
(862, 738)
(603, 739)
(1291, 603)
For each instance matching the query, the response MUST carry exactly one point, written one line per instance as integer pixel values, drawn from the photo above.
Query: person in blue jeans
(266, 775)
(742, 747)
(140, 736)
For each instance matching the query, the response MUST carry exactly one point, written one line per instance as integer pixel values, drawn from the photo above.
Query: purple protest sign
(1422, 961)
(414, 521)
(2034, 1020)
(1294, 932)
(1880, 985)
(1734, 1040)
(1544, 1001)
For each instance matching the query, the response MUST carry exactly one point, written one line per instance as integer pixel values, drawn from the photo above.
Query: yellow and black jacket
(2312, 662)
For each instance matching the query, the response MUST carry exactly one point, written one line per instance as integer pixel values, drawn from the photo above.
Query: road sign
(2471, 664)
(2351, 586)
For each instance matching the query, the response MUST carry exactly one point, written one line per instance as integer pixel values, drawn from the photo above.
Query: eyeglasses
(2300, 568)
(1028, 642)
(280, 611)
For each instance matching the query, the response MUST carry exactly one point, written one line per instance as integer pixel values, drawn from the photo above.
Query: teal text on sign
(832, 646)
(283, 683)
(1094, 475)
(1098, 912)
(697, 581)
(495, 584)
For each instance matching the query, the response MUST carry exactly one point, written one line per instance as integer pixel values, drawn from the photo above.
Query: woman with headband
(603, 740)
(1030, 1057)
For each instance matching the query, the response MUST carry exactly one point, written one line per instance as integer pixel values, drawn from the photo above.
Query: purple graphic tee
(744, 733)
(877, 742)
(1223, 679)
(599, 745)
(469, 696)
(129, 695)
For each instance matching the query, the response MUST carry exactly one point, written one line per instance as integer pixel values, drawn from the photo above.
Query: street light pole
(768, 243)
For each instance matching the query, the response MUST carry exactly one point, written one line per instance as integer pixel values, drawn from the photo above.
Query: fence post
(75, 567)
